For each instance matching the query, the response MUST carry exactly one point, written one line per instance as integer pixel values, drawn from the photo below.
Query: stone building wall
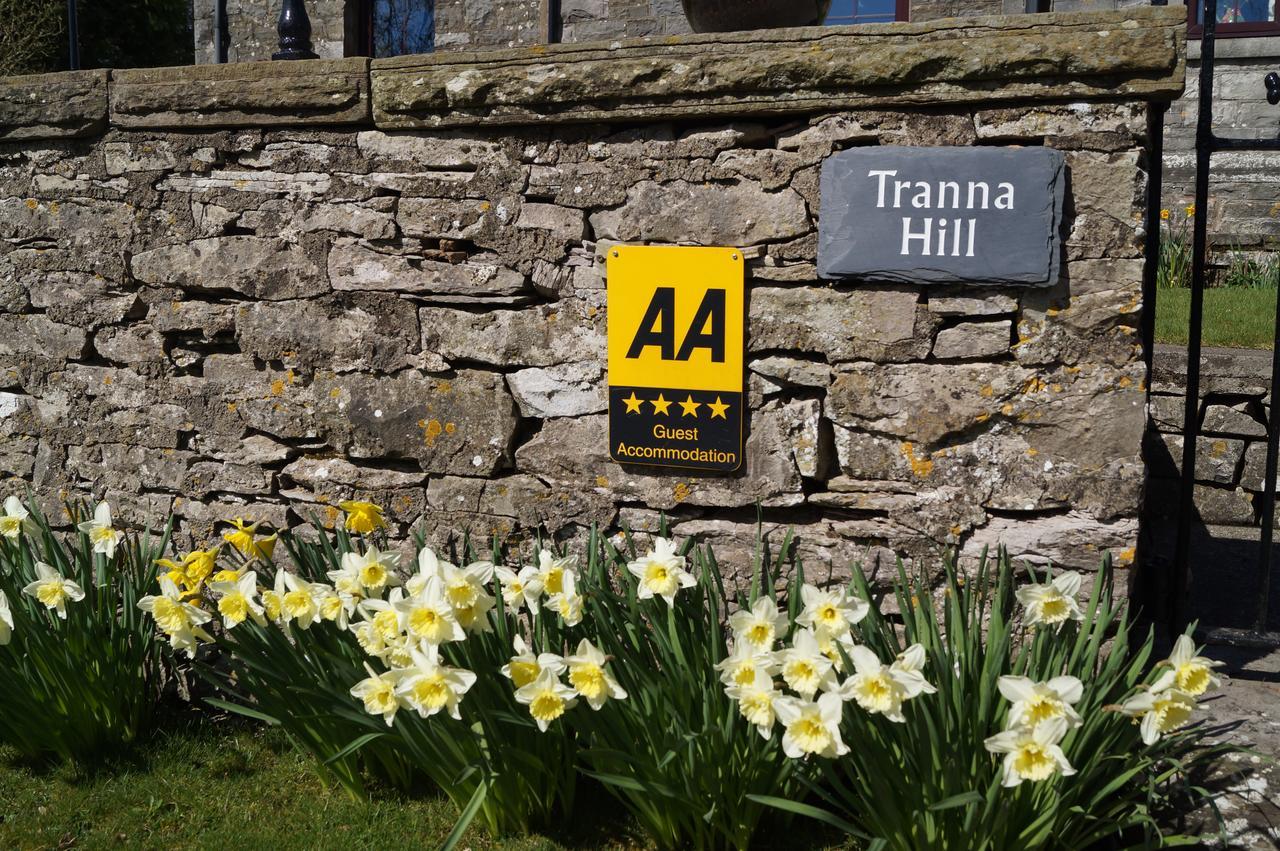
(258, 290)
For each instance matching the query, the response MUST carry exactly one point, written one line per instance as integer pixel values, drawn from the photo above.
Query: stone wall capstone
(221, 315)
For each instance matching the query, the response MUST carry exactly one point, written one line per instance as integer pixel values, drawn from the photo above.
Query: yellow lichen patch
(450, 428)
(1125, 381)
(32, 203)
(331, 515)
(983, 417)
(431, 429)
(1071, 369)
(1056, 388)
(1125, 557)
(955, 531)
(231, 406)
(1034, 384)
(602, 481)
(1006, 408)
(444, 386)
(1032, 452)
(106, 379)
(681, 492)
(335, 393)
(921, 467)
(277, 387)
(986, 391)
(289, 376)
(54, 206)
(1218, 449)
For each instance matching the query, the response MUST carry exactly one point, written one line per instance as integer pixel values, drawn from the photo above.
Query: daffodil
(237, 601)
(6, 620)
(741, 666)
(383, 615)
(429, 565)
(362, 517)
(552, 570)
(525, 667)
(520, 589)
(346, 579)
(428, 616)
(191, 571)
(1160, 709)
(568, 603)
(244, 539)
(756, 700)
(53, 589)
(1192, 674)
(878, 688)
(16, 519)
(908, 670)
(300, 602)
(429, 687)
(588, 676)
(465, 586)
(662, 572)
(832, 612)
(102, 534)
(804, 669)
(761, 626)
(378, 693)
(547, 698)
(373, 570)
(473, 618)
(335, 608)
(1053, 603)
(811, 727)
(1032, 753)
(831, 646)
(1035, 703)
(177, 619)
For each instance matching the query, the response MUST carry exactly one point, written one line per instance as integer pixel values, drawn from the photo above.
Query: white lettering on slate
(930, 238)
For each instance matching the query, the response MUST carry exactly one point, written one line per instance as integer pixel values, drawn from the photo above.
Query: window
(1237, 18)
(867, 11)
(382, 28)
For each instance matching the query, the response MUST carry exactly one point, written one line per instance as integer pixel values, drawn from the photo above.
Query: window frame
(1250, 29)
(901, 14)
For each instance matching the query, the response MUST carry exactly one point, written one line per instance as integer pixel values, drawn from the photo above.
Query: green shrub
(79, 662)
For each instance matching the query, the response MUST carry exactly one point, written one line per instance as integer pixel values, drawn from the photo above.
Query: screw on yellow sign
(676, 329)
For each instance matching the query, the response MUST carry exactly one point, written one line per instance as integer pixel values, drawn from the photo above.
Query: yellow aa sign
(676, 343)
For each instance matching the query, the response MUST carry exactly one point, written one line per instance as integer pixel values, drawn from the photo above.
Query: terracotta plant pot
(706, 16)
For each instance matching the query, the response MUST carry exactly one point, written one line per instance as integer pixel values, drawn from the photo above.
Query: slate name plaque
(942, 215)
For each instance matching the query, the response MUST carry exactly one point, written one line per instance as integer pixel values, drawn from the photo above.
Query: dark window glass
(1239, 17)
(863, 11)
(401, 27)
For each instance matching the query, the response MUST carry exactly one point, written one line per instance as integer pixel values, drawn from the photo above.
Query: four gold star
(688, 408)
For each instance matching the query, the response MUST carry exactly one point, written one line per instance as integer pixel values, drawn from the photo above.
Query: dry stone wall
(267, 302)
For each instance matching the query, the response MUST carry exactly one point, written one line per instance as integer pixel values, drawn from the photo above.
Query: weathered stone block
(973, 340)
(369, 332)
(972, 304)
(563, 390)
(357, 266)
(881, 324)
(792, 372)
(1235, 420)
(36, 334)
(51, 106)
(252, 266)
(1217, 461)
(741, 214)
(540, 336)
(1072, 541)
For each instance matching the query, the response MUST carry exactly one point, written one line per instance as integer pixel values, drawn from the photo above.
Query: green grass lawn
(240, 788)
(1235, 316)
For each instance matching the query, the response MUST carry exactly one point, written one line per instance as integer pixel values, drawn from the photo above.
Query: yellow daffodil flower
(177, 619)
(1190, 210)
(568, 603)
(362, 517)
(552, 570)
(300, 602)
(100, 531)
(16, 519)
(6, 620)
(761, 626)
(245, 541)
(53, 589)
(1164, 215)
(1192, 674)
(237, 601)
(429, 687)
(1032, 753)
(1160, 709)
(881, 689)
(756, 700)
(428, 616)
(520, 589)
(804, 669)
(589, 678)
(1034, 703)
(547, 698)
(831, 612)
(1053, 603)
(662, 572)
(378, 693)
(811, 727)
(524, 667)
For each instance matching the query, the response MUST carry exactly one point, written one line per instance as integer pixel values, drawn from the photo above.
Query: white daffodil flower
(567, 603)
(742, 665)
(520, 589)
(429, 565)
(589, 678)
(383, 616)
(53, 589)
(547, 698)
(16, 519)
(804, 669)
(336, 608)
(464, 588)
(524, 667)
(346, 580)
(300, 602)
(370, 639)
(378, 693)
(1160, 709)
(238, 602)
(374, 570)
(1034, 703)
(6, 620)
(756, 701)
(1054, 603)
(428, 686)
(879, 688)
(553, 569)
(811, 727)
(177, 619)
(100, 531)
(1192, 674)
(662, 572)
(761, 626)
(830, 646)
(908, 669)
(832, 612)
(428, 616)
(1032, 753)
